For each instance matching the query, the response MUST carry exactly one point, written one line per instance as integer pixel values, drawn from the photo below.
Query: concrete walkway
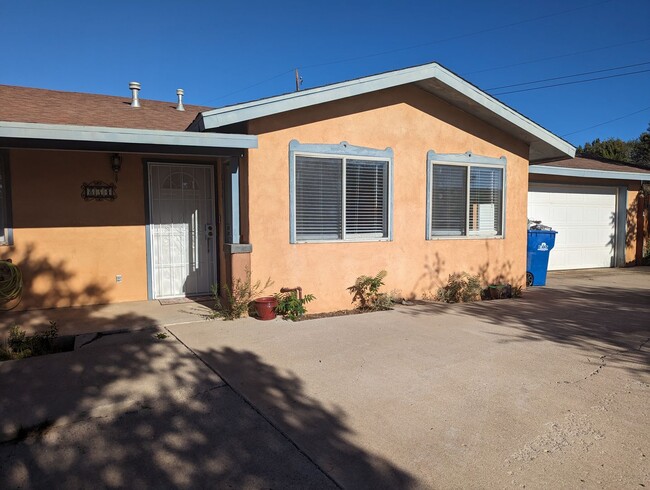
(547, 391)
(133, 411)
(132, 315)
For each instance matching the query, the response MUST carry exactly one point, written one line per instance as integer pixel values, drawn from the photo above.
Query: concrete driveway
(551, 390)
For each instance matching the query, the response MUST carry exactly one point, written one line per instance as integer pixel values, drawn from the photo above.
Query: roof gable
(431, 77)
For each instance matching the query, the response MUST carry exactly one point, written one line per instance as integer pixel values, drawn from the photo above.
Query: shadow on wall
(48, 284)
(635, 235)
(201, 436)
(493, 271)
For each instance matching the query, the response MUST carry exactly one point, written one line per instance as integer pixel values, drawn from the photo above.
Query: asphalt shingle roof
(597, 164)
(35, 105)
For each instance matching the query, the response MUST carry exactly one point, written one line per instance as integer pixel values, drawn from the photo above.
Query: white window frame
(343, 151)
(469, 161)
(6, 234)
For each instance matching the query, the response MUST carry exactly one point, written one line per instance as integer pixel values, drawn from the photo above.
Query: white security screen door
(182, 229)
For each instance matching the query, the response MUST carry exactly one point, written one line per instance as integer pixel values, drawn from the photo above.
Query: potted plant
(265, 307)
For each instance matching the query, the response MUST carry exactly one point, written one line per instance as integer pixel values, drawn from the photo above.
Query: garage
(585, 219)
(599, 208)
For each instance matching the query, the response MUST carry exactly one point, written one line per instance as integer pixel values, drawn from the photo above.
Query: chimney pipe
(135, 88)
(180, 94)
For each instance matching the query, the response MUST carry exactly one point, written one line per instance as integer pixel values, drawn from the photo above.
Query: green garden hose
(11, 284)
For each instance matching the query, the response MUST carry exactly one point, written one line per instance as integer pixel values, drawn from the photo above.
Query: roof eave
(17, 131)
(434, 78)
(587, 173)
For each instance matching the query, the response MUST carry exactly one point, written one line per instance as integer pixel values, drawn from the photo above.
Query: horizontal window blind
(485, 200)
(3, 202)
(449, 200)
(366, 182)
(319, 198)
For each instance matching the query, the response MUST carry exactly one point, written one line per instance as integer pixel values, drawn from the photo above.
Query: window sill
(470, 237)
(351, 240)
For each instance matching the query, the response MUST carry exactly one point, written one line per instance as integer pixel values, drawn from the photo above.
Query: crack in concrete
(604, 362)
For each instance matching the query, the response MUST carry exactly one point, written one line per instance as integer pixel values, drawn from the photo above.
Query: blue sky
(222, 52)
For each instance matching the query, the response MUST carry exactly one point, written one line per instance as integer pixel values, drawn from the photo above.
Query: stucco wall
(411, 122)
(70, 250)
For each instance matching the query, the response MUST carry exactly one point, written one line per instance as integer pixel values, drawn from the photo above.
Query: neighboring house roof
(32, 117)
(595, 168)
(431, 77)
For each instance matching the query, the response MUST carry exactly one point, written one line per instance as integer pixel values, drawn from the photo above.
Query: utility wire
(572, 83)
(415, 46)
(569, 76)
(250, 86)
(607, 122)
(454, 38)
(555, 57)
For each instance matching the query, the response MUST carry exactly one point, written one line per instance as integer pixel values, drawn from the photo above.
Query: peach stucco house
(415, 171)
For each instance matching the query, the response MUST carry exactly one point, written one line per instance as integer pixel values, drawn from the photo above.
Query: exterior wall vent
(135, 88)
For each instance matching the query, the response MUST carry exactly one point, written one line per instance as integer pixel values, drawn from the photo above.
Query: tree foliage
(635, 151)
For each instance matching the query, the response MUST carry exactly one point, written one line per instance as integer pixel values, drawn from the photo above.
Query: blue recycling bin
(540, 244)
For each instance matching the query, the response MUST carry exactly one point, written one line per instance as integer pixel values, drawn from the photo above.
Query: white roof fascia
(97, 134)
(273, 105)
(587, 173)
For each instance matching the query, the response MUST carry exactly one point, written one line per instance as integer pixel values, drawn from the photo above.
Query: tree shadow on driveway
(604, 319)
(319, 431)
(138, 412)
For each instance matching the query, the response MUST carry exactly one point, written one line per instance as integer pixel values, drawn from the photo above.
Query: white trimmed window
(6, 232)
(340, 193)
(465, 196)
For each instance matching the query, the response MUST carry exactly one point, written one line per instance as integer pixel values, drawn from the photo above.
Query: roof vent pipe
(135, 88)
(180, 94)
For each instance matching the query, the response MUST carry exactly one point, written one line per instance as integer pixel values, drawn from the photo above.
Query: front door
(182, 229)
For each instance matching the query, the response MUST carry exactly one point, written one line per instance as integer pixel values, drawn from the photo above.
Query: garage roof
(431, 77)
(594, 168)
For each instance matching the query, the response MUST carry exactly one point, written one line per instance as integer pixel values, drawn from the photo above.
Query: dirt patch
(329, 314)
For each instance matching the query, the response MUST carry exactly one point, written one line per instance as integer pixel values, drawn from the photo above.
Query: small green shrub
(365, 292)
(19, 345)
(290, 306)
(237, 298)
(460, 288)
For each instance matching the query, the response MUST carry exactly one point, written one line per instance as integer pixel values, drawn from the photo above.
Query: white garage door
(585, 219)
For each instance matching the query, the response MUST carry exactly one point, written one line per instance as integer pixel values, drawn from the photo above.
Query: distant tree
(611, 148)
(641, 151)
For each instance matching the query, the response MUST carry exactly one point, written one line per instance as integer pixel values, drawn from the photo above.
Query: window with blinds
(465, 199)
(340, 198)
(4, 203)
(485, 197)
(449, 200)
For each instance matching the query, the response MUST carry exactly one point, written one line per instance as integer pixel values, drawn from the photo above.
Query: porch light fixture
(116, 164)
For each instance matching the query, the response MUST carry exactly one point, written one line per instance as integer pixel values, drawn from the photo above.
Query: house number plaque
(98, 191)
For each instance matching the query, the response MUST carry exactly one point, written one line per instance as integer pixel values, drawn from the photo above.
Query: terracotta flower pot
(265, 307)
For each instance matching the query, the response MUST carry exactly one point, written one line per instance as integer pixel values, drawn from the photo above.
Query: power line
(475, 33)
(569, 76)
(250, 86)
(607, 122)
(454, 38)
(572, 83)
(555, 57)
